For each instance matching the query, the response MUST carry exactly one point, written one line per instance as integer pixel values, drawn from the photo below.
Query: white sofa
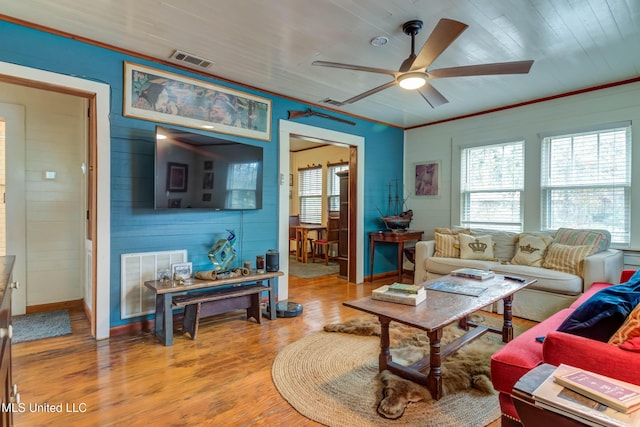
(553, 291)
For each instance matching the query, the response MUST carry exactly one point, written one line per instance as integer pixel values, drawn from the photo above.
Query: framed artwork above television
(165, 97)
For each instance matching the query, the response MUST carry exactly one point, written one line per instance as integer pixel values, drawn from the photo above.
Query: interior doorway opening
(3, 193)
(355, 143)
(98, 98)
(318, 249)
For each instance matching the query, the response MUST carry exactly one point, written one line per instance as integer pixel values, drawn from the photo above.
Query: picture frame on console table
(426, 179)
(160, 96)
(181, 270)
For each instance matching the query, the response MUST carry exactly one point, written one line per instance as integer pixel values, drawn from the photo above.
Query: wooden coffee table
(439, 310)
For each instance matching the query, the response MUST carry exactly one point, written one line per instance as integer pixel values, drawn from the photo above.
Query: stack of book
(592, 399)
(473, 273)
(400, 293)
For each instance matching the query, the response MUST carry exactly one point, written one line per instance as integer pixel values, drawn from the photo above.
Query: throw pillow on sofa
(599, 239)
(447, 242)
(566, 258)
(601, 316)
(447, 245)
(530, 249)
(629, 329)
(476, 247)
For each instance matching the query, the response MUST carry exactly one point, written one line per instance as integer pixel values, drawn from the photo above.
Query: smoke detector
(379, 41)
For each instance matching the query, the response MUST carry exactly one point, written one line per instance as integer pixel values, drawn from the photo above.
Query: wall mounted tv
(195, 171)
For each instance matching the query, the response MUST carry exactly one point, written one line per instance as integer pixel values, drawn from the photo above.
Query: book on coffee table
(473, 273)
(406, 288)
(384, 293)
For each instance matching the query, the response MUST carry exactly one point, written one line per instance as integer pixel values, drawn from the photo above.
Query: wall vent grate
(191, 59)
(135, 269)
(332, 102)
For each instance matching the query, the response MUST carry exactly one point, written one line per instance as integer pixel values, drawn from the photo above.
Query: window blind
(333, 186)
(492, 182)
(310, 195)
(586, 181)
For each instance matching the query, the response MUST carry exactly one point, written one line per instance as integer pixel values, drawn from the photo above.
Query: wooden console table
(165, 291)
(399, 238)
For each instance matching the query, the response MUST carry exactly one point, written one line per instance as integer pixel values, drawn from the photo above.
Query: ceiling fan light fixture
(412, 80)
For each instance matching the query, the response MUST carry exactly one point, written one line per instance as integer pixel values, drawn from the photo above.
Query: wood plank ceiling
(576, 44)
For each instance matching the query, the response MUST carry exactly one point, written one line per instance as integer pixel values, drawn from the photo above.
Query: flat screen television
(196, 171)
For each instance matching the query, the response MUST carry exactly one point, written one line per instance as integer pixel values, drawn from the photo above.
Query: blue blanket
(600, 316)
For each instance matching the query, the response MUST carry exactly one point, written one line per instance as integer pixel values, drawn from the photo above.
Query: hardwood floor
(223, 378)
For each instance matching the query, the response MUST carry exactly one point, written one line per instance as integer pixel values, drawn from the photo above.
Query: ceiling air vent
(332, 102)
(191, 59)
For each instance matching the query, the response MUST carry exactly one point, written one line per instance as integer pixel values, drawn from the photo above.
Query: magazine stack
(592, 399)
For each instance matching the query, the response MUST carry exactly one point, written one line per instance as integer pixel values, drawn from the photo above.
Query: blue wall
(135, 226)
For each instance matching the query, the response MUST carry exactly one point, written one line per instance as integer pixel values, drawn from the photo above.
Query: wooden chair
(293, 221)
(322, 246)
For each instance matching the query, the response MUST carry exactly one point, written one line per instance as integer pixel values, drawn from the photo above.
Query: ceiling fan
(413, 73)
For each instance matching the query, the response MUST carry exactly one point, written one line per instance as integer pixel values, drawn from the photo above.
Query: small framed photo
(181, 270)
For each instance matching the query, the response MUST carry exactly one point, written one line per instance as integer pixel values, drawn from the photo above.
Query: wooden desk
(302, 234)
(399, 238)
(165, 291)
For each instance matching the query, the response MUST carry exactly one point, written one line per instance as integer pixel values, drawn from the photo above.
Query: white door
(13, 198)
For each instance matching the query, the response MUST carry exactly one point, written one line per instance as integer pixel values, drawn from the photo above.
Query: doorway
(287, 130)
(12, 117)
(54, 188)
(98, 97)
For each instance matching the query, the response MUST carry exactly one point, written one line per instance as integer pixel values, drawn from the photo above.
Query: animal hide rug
(466, 369)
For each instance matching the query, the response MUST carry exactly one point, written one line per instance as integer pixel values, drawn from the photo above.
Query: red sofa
(525, 353)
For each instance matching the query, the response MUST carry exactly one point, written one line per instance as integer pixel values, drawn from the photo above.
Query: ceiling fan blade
(432, 96)
(369, 92)
(407, 63)
(355, 67)
(516, 67)
(441, 37)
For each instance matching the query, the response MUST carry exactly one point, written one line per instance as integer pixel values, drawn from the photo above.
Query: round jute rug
(332, 378)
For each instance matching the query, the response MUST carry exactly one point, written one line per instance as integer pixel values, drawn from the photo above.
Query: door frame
(98, 94)
(16, 201)
(288, 129)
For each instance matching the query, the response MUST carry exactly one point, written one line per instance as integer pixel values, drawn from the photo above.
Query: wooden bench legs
(201, 306)
(191, 319)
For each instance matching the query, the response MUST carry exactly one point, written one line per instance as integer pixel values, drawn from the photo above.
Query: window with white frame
(492, 183)
(586, 181)
(333, 185)
(310, 194)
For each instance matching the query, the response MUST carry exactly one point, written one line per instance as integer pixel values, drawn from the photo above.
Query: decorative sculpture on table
(222, 253)
(396, 220)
